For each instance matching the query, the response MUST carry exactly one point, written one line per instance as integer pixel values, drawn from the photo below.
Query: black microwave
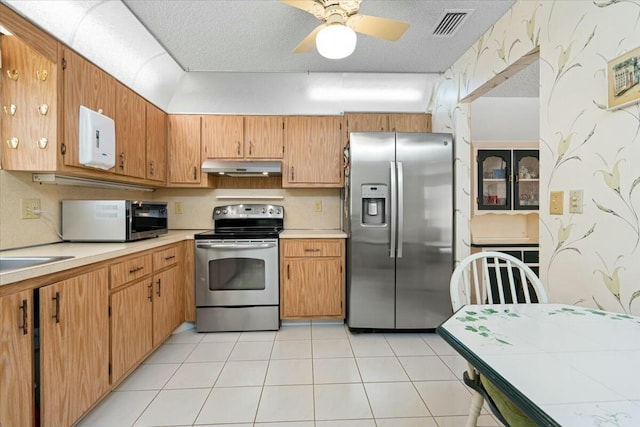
(112, 220)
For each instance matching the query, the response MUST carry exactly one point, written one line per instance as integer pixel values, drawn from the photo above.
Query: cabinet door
(222, 137)
(74, 347)
(313, 152)
(84, 84)
(156, 137)
(367, 122)
(16, 363)
(312, 287)
(130, 132)
(167, 304)
(27, 124)
(526, 171)
(131, 333)
(410, 122)
(494, 179)
(184, 149)
(263, 137)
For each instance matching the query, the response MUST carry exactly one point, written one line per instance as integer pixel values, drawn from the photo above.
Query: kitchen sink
(15, 262)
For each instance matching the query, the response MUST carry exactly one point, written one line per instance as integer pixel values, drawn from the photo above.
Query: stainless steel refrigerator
(400, 219)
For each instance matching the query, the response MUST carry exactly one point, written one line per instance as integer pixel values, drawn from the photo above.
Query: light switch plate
(575, 201)
(556, 203)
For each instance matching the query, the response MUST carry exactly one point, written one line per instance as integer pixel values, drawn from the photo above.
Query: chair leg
(476, 401)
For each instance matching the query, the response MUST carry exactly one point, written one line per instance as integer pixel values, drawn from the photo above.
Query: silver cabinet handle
(394, 214)
(400, 208)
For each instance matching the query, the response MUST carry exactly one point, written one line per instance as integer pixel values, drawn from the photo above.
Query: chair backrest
(494, 278)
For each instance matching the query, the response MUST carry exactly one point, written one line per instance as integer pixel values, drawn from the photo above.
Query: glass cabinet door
(527, 180)
(494, 179)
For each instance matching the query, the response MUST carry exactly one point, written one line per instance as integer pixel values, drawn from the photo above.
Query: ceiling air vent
(450, 22)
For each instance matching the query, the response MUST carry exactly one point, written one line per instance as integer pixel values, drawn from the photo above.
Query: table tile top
(564, 365)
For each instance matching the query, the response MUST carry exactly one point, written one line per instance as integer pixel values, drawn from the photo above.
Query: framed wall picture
(623, 79)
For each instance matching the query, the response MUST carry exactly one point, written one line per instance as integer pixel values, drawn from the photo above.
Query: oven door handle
(236, 246)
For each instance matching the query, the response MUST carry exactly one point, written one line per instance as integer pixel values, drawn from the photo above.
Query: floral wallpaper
(590, 259)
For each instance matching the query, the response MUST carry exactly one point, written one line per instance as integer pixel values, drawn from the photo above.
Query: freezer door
(425, 232)
(370, 260)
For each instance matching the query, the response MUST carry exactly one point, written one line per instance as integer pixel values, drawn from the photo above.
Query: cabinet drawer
(165, 258)
(312, 248)
(129, 270)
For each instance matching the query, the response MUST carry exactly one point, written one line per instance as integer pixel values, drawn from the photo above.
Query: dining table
(561, 365)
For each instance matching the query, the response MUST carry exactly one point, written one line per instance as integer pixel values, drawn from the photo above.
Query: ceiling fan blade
(306, 5)
(388, 29)
(309, 42)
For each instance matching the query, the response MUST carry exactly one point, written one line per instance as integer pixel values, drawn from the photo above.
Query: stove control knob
(278, 211)
(225, 211)
(270, 211)
(264, 210)
(217, 212)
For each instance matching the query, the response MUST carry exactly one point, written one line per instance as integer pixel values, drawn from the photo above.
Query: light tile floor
(304, 375)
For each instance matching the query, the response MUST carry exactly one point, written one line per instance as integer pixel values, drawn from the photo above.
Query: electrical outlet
(575, 201)
(556, 203)
(317, 205)
(29, 207)
(179, 208)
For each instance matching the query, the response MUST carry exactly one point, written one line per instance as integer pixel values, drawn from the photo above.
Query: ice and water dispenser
(374, 200)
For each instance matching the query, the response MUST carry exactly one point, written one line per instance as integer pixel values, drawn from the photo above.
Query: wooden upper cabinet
(84, 84)
(156, 138)
(32, 89)
(313, 151)
(387, 122)
(410, 122)
(184, 149)
(366, 122)
(222, 137)
(263, 137)
(130, 132)
(242, 137)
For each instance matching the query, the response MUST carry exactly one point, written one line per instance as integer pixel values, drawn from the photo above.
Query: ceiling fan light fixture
(336, 41)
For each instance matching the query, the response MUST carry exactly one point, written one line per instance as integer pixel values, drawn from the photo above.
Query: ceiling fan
(336, 38)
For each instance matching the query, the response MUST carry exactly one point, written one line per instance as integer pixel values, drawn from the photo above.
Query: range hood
(247, 168)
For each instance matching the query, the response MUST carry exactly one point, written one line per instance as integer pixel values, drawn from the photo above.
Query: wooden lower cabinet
(87, 329)
(16, 360)
(131, 327)
(74, 346)
(312, 278)
(167, 304)
(144, 311)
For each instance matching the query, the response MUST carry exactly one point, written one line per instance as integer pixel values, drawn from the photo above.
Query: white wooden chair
(492, 278)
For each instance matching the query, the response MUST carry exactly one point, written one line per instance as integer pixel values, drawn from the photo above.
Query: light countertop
(313, 234)
(83, 254)
(503, 241)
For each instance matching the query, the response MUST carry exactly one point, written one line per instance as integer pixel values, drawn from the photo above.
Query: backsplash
(197, 206)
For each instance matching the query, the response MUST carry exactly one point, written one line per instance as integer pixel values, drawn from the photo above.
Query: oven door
(236, 273)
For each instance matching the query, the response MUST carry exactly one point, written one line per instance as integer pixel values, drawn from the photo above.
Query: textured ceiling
(259, 35)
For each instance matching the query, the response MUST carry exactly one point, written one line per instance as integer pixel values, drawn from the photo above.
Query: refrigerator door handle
(400, 196)
(392, 244)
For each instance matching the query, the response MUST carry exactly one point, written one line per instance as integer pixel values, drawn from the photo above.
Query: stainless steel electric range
(236, 269)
